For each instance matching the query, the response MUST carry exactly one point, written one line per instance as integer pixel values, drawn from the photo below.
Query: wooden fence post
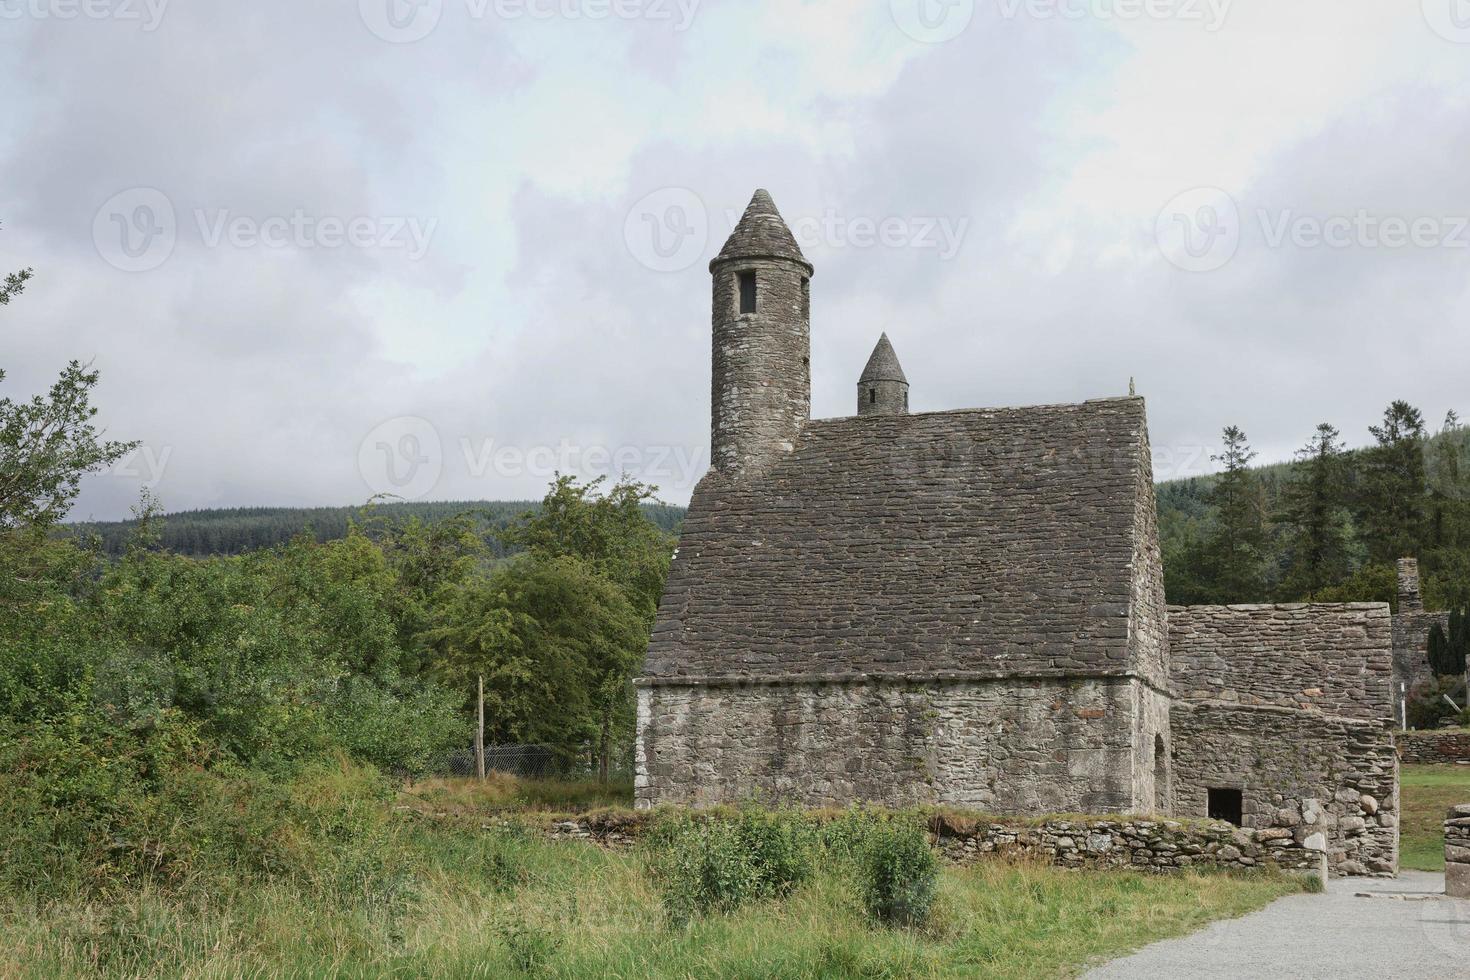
(480, 728)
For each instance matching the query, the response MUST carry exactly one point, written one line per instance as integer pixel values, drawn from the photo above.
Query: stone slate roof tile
(883, 364)
(761, 234)
(986, 540)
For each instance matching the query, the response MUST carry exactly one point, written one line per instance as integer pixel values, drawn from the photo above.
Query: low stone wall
(1139, 843)
(1136, 843)
(1457, 852)
(1452, 745)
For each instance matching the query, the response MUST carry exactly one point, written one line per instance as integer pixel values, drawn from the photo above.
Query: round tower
(883, 389)
(761, 382)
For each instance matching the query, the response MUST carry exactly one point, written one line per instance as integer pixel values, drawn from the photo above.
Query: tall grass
(507, 902)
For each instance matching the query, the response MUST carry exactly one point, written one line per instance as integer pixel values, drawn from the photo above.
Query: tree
(609, 531)
(1449, 647)
(1394, 490)
(558, 631)
(1315, 507)
(46, 446)
(1237, 548)
(15, 284)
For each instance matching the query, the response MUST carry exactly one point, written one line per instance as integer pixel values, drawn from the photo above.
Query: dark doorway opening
(1225, 804)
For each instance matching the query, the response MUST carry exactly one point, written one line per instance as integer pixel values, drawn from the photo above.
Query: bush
(1427, 707)
(712, 863)
(899, 873)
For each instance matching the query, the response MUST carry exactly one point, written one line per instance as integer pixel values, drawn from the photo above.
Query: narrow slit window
(872, 396)
(1225, 804)
(747, 292)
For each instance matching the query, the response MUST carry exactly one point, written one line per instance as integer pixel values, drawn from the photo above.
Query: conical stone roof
(883, 365)
(761, 234)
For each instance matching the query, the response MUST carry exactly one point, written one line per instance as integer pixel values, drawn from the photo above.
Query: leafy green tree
(15, 284)
(46, 445)
(558, 632)
(610, 531)
(1394, 485)
(1237, 547)
(1315, 510)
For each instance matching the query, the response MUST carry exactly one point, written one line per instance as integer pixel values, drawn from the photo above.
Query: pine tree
(1394, 491)
(1237, 548)
(1315, 507)
(1449, 647)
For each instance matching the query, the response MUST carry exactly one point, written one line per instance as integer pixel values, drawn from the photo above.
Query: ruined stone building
(967, 607)
(1411, 628)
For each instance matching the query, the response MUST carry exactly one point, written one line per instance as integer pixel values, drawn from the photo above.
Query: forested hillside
(1326, 526)
(238, 530)
(1329, 525)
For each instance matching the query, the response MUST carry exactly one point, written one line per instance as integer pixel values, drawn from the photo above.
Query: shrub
(899, 873)
(781, 845)
(716, 863)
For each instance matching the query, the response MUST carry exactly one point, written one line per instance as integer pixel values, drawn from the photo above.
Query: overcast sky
(321, 250)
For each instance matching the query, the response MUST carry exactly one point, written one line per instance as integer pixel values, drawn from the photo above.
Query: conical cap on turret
(883, 365)
(761, 234)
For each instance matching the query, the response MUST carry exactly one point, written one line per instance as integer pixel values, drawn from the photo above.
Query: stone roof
(883, 365)
(1333, 658)
(986, 541)
(761, 234)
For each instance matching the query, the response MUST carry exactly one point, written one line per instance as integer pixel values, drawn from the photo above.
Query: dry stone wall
(1433, 746)
(1017, 746)
(1457, 852)
(1332, 779)
(1133, 842)
(1136, 843)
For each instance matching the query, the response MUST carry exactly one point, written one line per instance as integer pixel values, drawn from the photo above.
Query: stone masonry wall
(761, 371)
(1411, 650)
(1331, 658)
(1012, 746)
(1148, 845)
(1134, 843)
(1148, 623)
(1457, 852)
(1432, 747)
(1297, 771)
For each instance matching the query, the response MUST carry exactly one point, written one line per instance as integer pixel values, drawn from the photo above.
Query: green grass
(1425, 793)
(507, 903)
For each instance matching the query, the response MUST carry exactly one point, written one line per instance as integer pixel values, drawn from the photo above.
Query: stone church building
(967, 608)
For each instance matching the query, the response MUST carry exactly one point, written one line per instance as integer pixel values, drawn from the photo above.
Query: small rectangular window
(747, 292)
(1225, 804)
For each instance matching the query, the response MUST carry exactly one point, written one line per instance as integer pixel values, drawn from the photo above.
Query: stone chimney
(1409, 598)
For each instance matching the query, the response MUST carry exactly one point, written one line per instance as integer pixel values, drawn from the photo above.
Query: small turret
(883, 389)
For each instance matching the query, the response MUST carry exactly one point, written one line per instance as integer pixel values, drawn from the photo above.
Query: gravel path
(1336, 935)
